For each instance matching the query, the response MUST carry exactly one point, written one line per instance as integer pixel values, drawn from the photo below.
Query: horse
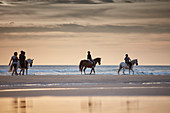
(30, 62)
(125, 66)
(87, 64)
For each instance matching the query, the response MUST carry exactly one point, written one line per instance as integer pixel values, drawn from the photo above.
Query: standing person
(128, 61)
(14, 60)
(22, 62)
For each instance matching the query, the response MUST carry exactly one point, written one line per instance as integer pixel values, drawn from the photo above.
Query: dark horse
(87, 64)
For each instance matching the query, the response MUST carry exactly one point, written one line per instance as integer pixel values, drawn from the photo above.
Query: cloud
(162, 39)
(88, 28)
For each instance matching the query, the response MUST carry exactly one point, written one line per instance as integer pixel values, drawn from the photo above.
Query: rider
(89, 57)
(128, 61)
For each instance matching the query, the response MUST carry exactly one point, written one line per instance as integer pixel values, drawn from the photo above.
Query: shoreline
(84, 85)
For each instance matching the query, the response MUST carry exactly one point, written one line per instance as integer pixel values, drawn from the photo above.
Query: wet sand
(84, 85)
(109, 104)
(85, 94)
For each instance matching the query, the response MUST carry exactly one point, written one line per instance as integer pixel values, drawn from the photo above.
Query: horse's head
(98, 60)
(135, 61)
(30, 61)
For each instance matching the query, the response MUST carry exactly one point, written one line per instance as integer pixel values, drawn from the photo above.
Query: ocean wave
(100, 70)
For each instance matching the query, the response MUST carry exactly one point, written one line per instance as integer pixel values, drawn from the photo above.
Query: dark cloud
(161, 39)
(64, 1)
(89, 28)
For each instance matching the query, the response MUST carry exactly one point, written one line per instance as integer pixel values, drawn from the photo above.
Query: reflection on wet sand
(114, 104)
(20, 105)
(91, 106)
(132, 105)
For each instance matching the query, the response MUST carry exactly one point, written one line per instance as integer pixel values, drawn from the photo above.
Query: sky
(61, 34)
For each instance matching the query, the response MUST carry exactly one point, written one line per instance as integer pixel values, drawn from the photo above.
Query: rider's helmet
(126, 55)
(88, 52)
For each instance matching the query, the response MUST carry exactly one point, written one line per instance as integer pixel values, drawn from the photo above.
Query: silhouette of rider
(128, 61)
(89, 57)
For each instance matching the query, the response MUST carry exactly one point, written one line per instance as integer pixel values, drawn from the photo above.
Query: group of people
(23, 64)
(18, 62)
(127, 59)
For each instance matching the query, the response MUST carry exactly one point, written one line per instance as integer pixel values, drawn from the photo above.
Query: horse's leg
(124, 71)
(129, 71)
(85, 70)
(26, 71)
(93, 70)
(81, 71)
(119, 69)
(132, 71)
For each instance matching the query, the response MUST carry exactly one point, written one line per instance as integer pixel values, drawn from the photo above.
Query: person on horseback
(128, 61)
(89, 57)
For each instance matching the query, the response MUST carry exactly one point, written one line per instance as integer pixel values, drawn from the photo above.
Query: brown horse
(87, 64)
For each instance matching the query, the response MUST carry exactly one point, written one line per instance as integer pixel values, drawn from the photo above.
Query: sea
(100, 70)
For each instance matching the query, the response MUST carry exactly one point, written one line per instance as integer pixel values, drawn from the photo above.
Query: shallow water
(100, 70)
(78, 84)
(113, 104)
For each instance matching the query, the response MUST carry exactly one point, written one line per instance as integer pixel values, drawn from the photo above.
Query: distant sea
(100, 70)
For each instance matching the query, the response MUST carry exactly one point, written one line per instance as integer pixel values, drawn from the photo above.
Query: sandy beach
(85, 85)
(85, 94)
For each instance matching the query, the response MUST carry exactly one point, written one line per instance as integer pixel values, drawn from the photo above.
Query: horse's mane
(29, 60)
(134, 60)
(97, 58)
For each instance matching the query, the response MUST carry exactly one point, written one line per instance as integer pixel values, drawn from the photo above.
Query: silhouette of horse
(30, 62)
(125, 66)
(87, 64)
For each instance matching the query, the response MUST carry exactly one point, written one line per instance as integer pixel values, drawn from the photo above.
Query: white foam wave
(100, 70)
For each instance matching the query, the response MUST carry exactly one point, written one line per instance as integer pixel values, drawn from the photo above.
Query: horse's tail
(120, 67)
(80, 66)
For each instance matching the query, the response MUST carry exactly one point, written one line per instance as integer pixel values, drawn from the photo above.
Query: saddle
(90, 61)
(129, 64)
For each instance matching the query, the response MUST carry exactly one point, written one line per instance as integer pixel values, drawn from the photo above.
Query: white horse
(28, 62)
(125, 66)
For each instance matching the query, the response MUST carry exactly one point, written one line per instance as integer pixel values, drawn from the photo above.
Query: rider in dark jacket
(128, 61)
(89, 56)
